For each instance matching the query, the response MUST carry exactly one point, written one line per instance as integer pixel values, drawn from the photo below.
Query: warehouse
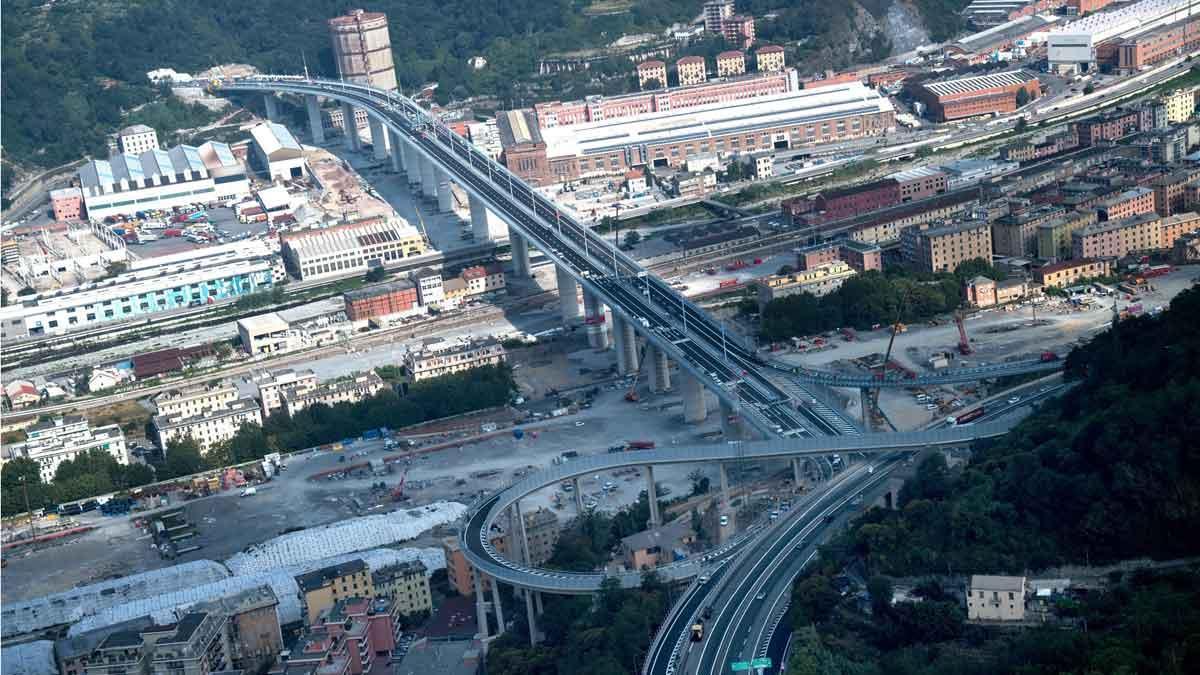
(558, 154)
(395, 298)
(277, 152)
(132, 295)
(350, 248)
(1073, 47)
(979, 95)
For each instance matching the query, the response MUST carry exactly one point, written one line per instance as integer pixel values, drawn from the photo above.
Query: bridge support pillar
(694, 408)
(315, 128)
(520, 253)
(652, 497)
(660, 369)
(625, 339)
(480, 607)
(537, 597)
(497, 606)
(724, 483)
(379, 138)
(730, 422)
(428, 178)
(531, 618)
(797, 474)
(568, 295)
(397, 148)
(350, 128)
(479, 219)
(864, 405)
(445, 194)
(593, 310)
(272, 107)
(578, 492)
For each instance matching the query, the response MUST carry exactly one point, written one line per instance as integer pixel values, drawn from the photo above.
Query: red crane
(964, 345)
(398, 491)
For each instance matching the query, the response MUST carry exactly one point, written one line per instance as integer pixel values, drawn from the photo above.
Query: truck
(558, 412)
(728, 283)
(249, 492)
(1156, 270)
(1049, 356)
(698, 631)
(965, 418)
(640, 445)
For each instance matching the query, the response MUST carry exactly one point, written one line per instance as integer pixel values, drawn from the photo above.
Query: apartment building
(437, 361)
(995, 598)
(51, 442)
(482, 279)
(691, 70)
(885, 227)
(541, 533)
(1170, 191)
(730, 64)
(769, 59)
(1180, 103)
(1015, 234)
(321, 589)
(1117, 238)
(405, 585)
(820, 280)
(196, 399)
(943, 248)
(255, 636)
(652, 74)
(272, 385)
(355, 636)
(1054, 236)
(430, 289)
(459, 572)
(214, 425)
(353, 389)
(197, 644)
(1068, 272)
(1129, 203)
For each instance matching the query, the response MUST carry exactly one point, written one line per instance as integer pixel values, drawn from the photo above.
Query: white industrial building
(1072, 47)
(57, 440)
(161, 179)
(278, 152)
(350, 247)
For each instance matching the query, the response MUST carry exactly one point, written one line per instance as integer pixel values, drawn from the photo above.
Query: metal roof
(276, 141)
(966, 85)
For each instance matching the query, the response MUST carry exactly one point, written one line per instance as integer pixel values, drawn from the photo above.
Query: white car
(724, 521)
(1014, 399)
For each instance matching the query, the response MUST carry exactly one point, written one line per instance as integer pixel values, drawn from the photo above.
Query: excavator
(964, 345)
(632, 395)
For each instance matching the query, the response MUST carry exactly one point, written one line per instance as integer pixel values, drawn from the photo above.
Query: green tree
(879, 588)
(181, 458)
(376, 274)
(18, 477)
(632, 238)
(1022, 97)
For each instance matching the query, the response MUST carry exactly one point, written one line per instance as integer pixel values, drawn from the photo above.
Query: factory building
(134, 294)
(350, 248)
(963, 97)
(1158, 45)
(552, 155)
(395, 298)
(362, 48)
(1079, 45)
(277, 152)
(160, 179)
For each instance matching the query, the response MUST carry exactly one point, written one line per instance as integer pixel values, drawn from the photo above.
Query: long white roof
(276, 141)
(344, 239)
(804, 106)
(965, 85)
(103, 173)
(1127, 21)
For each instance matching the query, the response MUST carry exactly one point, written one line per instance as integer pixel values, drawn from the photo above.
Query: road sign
(761, 663)
(740, 666)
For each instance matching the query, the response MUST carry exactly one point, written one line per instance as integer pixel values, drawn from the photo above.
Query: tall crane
(632, 395)
(964, 345)
(887, 357)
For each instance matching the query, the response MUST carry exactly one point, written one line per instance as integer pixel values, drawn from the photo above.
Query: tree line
(872, 298)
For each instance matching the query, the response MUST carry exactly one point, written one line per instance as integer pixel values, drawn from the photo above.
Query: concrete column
(520, 253)
(694, 408)
(350, 127)
(397, 148)
(659, 369)
(537, 597)
(652, 497)
(568, 295)
(445, 195)
(429, 186)
(498, 607)
(480, 607)
(413, 161)
(531, 617)
(728, 427)
(593, 310)
(314, 120)
(797, 474)
(626, 341)
(272, 107)
(578, 494)
(724, 483)
(378, 138)
(479, 219)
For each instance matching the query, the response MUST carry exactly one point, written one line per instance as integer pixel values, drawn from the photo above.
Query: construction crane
(964, 345)
(897, 327)
(632, 395)
(398, 491)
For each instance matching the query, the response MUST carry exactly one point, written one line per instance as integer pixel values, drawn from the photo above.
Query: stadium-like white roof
(965, 85)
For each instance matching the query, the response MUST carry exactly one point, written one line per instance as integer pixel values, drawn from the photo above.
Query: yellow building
(691, 70)
(769, 58)
(993, 598)
(1063, 274)
(820, 280)
(406, 585)
(652, 73)
(321, 589)
(731, 63)
(1181, 104)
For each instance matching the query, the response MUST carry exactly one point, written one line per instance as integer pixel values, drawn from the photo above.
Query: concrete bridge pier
(350, 128)
(724, 483)
(520, 253)
(797, 474)
(272, 107)
(531, 617)
(445, 194)
(652, 497)
(625, 340)
(412, 165)
(578, 492)
(730, 422)
(499, 609)
(429, 186)
(530, 614)
(660, 369)
(593, 310)
(315, 128)
(378, 138)
(568, 295)
(479, 219)
(397, 147)
(480, 608)
(694, 409)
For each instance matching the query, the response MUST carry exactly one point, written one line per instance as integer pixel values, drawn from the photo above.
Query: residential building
(541, 534)
(885, 226)
(1181, 104)
(1129, 203)
(362, 49)
(943, 248)
(321, 589)
(1165, 146)
(981, 292)
(53, 441)
(67, 204)
(995, 598)
(354, 636)
(454, 292)
(820, 280)
(405, 585)
(693, 183)
(136, 139)
(272, 385)
(660, 545)
(1185, 250)
(691, 70)
(763, 164)
(1015, 234)
(382, 301)
(1069, 272)
(1108, 126)
(430, 289)
(195, 399)
(815, 255)
(1011, 290)
(445, 359)
(350, 248)
(277, 152)
(352, 389)
(1117, 238)
(921, 182)
(1176, 226)
(459, 572)
(652, 75)
(197, 644)
(21, 394)
(482, 279)
(962, 97)
(769, 59)
(716, 12)
(255, 637)
(739, 30)
(860, 256)
(1170, 191)
(730, 64)
(209, 427)
(265, 334)
(1054, 236)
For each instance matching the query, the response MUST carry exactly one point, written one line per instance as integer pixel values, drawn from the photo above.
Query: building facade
(321, 589)
(989, 94)
(358, 387)
(1118, 238)
(395, 298)
(137, 139)
(942, 249)
(67, 204)
(272, 385)
(207, 428)
(769, 59)
(350, 248)
(405, 585)
(54, 441)
(820, 280)
(731, 64)
(1069, 272)
(691, 70)
(652, 75)
(452, 358)
(994, 598)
